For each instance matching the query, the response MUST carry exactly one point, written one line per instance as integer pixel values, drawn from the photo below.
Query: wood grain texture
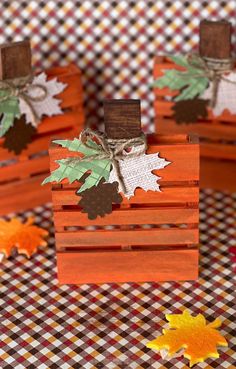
(15, 60)
(130, 266)
(122, 118)
(142, 237)
(215, 39)
(127, 216)
(217, 174)
(217, 135)
(166, 250)
(30, 165)
(168, 196)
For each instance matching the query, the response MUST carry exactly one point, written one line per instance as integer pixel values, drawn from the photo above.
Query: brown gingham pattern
(44, 325)
(113, 42)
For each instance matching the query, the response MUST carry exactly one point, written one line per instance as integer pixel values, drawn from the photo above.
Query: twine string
(112, 149)
(22, 88)
(213, 69)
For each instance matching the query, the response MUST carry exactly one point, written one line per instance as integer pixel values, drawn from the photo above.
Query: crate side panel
(153, 216)
(218, 174)
(23, 194)
(110, 238)
(105, 267)
(211, 131)
(168, 195)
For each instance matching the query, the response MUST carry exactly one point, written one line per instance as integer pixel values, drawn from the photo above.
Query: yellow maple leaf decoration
(25, 237)
(199, 339)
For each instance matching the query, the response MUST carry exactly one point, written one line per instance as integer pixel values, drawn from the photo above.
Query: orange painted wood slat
(184, 156)
(128, 216)
(103, 238)
(218, 151)
(218, 174)
(168, 195)
(127, 266)
(23, 194)
(214, 131)
(26, 167)
(164, 109)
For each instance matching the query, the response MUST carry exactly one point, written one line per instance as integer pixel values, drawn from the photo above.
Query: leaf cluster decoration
(70, 169)
(100, 177)
(190, 81)
(98, 200)
(14, 109)
(189, 111)
(198, 338)
(25, 237)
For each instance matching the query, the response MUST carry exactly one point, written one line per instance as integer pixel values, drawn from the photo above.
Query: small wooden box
(217, 135)
(151, 237)
(21, 175)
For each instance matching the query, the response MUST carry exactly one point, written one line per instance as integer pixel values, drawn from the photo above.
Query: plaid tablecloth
(107, 326)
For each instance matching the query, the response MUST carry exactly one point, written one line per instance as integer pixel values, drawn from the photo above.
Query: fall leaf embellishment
(19, 135)
(25, 237)
(198, 339)
(189, 111)
(98, 200)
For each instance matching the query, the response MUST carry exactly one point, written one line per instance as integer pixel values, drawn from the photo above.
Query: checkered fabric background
(113, 42)
(107, 326)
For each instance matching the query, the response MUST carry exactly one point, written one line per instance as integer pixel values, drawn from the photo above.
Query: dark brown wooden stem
(122, 118)
(15, 60)
(215, 39)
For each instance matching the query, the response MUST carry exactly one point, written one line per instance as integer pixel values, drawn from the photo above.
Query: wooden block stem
(122, 118)
(15, 60)
(215, 39)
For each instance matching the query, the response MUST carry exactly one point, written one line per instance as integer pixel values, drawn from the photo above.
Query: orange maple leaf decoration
(25, 237)
(199, 339)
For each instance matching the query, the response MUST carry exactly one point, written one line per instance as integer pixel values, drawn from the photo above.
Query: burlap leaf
(19, 135)
(189, 111)
(226, 95)
(98, 200)
(49, 106)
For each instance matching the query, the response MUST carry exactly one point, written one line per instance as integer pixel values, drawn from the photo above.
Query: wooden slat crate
(21, 175)
(153, 236)
(217, 135)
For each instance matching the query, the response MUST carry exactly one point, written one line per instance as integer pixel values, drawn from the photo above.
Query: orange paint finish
(27, 170)
(153, 236)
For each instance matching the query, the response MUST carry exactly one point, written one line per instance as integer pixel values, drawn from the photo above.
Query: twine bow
(21, 88)
(213, 69)
(112, 149)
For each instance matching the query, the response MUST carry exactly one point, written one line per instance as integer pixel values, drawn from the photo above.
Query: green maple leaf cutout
(190, 81)
(9, 110)
(74, 170)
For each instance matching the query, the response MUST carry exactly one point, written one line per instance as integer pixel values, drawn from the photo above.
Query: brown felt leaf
(189, 111)
(19, 135)
(98, 200)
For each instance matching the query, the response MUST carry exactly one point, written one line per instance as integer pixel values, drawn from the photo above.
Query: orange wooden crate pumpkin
(21, 175)
(151, 237)
(217, 134)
